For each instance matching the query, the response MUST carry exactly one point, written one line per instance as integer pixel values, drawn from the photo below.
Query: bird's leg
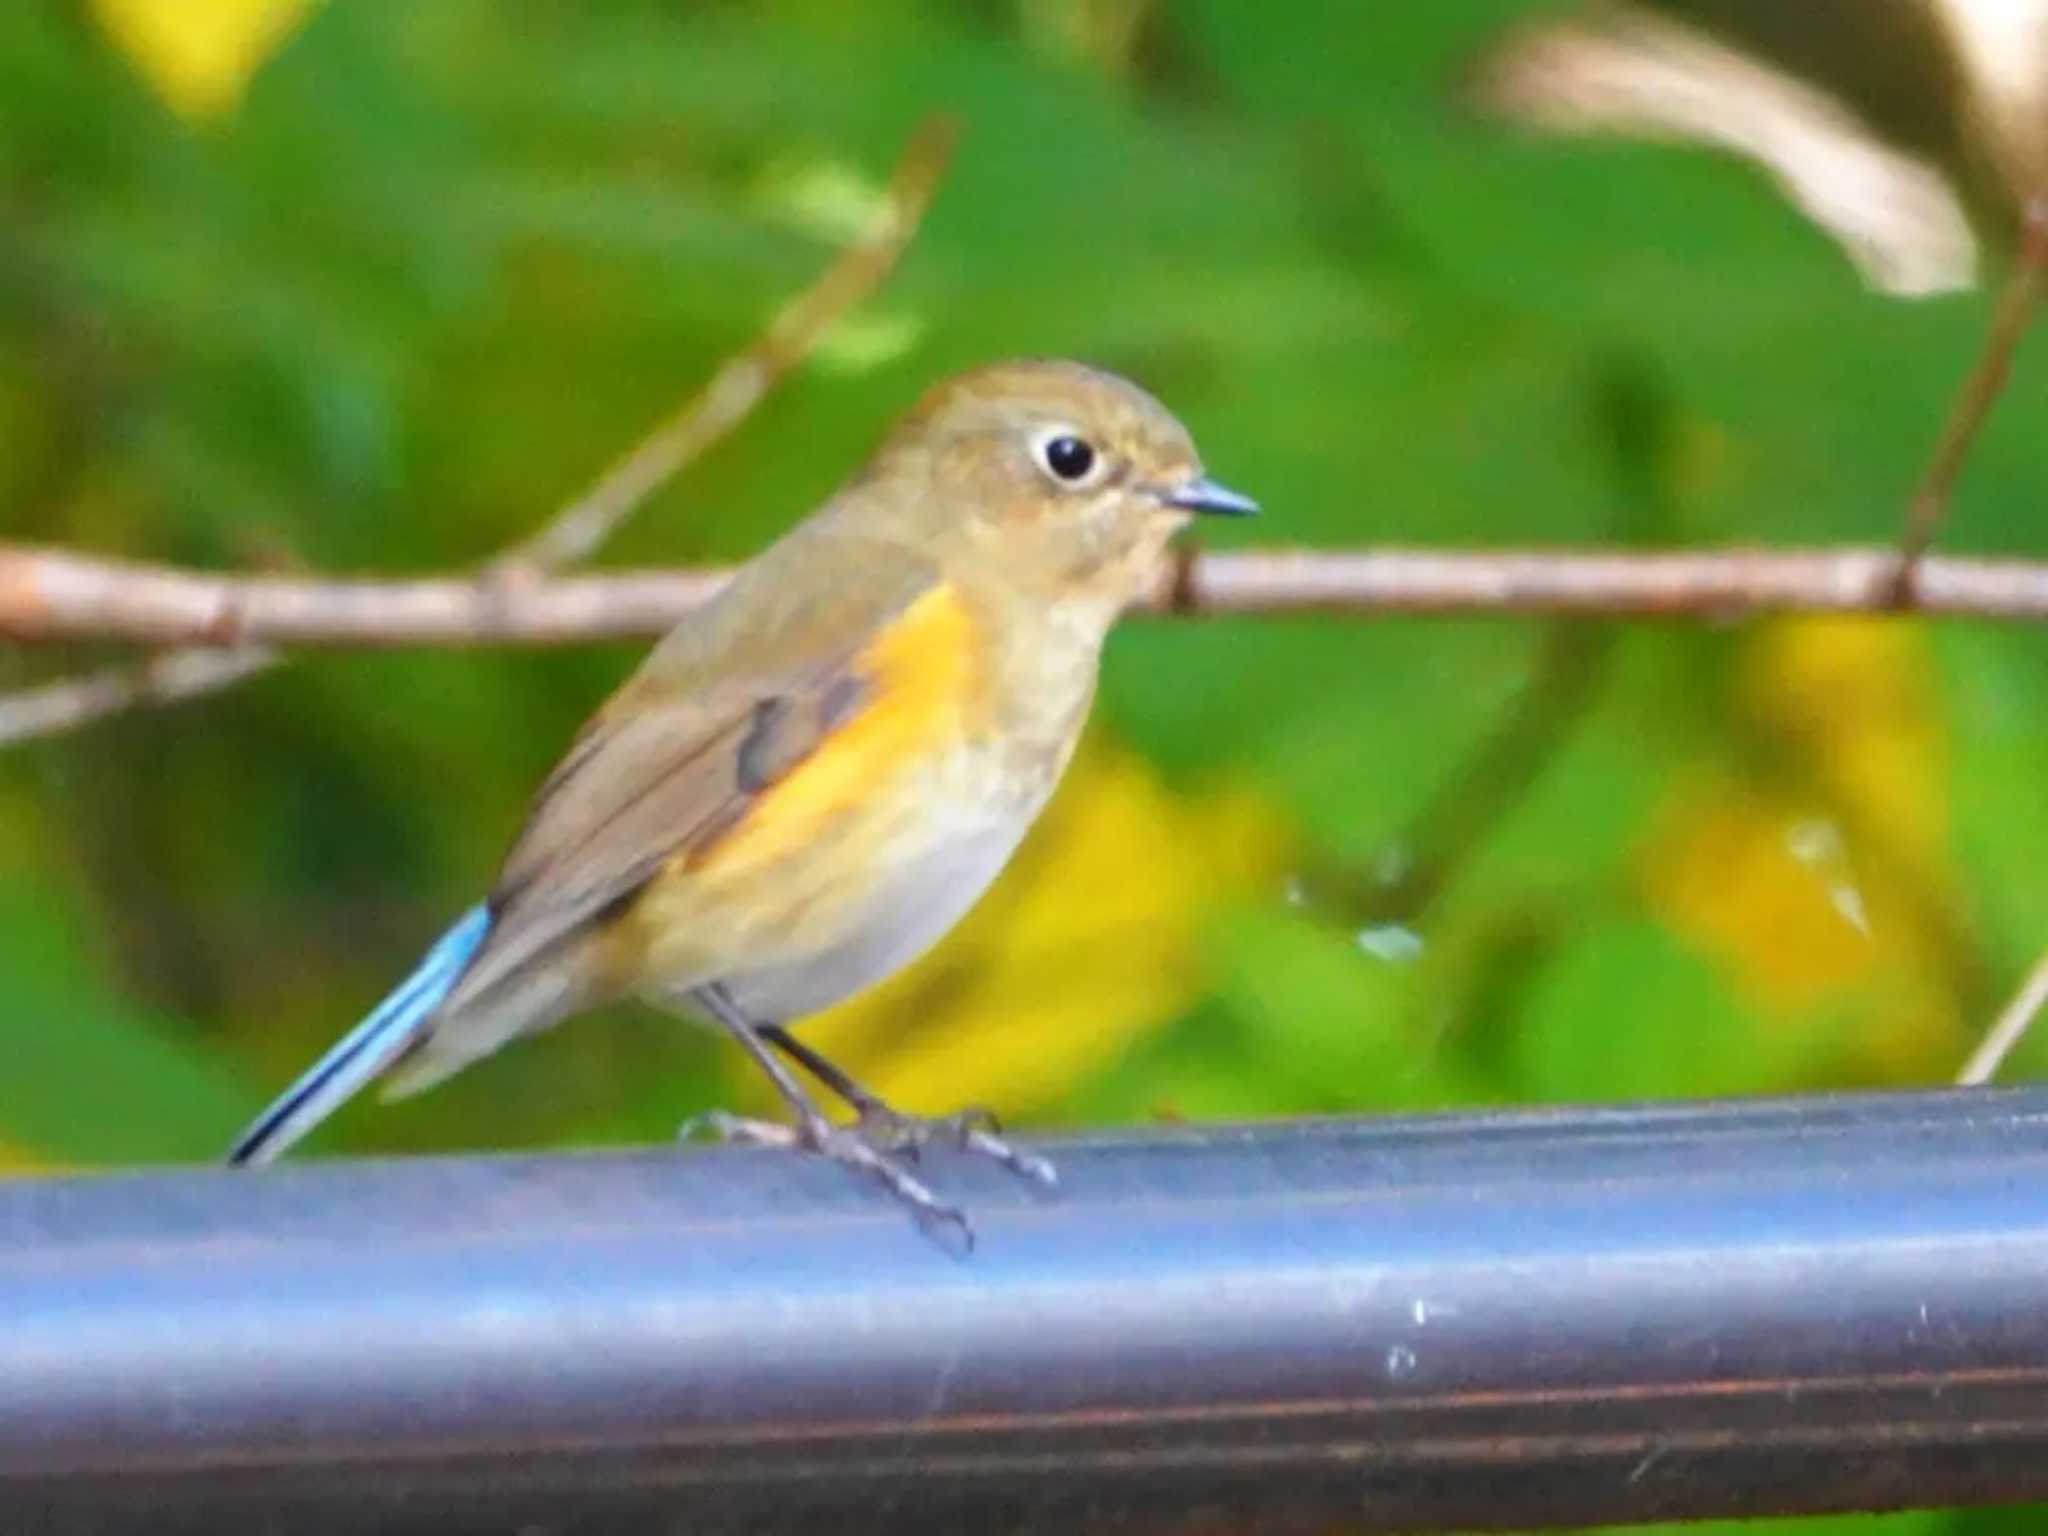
(812, 1131)
(971, 1130)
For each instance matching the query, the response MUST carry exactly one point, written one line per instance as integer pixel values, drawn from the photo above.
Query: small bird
(816, 774)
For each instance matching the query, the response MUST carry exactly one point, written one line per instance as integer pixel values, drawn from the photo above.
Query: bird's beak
(1205, 495)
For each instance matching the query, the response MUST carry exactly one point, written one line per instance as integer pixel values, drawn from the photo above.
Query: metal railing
(1470, 1321)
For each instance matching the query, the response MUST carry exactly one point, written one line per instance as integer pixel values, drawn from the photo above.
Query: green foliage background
(446, 260)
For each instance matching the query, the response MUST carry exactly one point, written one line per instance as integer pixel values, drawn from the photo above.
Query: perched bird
(815, 775)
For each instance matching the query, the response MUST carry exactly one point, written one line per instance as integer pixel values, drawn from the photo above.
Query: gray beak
(1205, 495)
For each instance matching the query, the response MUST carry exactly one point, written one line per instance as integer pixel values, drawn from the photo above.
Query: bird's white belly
(923, 897)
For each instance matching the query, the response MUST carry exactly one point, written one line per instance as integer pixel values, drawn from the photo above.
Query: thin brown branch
(732, 394)
(165, 678)
(2010, 321)
(50, 595)
(745, 379)
(2011, 1027)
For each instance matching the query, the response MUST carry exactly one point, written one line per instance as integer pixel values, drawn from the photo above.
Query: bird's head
(1060, 479)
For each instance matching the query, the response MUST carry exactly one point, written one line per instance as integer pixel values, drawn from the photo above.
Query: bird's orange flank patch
(919, 674)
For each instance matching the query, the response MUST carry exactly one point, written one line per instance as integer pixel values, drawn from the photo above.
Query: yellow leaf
(200, 54)
(1858, 698)
(1088, 943)
(1756, 886)
(1807, 877)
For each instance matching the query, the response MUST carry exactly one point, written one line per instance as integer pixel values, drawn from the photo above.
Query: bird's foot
(850, 1147)
(975, 1130)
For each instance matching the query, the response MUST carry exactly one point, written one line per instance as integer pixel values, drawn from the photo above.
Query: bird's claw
(974, 1130)
(848, 1146)
(908, 1135)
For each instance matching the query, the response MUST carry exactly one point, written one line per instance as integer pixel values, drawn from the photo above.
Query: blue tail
(367, 1049)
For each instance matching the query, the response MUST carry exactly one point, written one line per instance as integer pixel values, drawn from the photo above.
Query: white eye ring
(1068, 458)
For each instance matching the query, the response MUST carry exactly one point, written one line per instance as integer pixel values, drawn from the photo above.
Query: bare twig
(161, 679)
(734, 391)
(744, 379)
(2011, 1027)
(1710, 585)
(49, 594)
(2010, 322)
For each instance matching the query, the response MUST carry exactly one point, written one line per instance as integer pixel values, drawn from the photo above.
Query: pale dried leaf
(2003, 49)
(1624, 71)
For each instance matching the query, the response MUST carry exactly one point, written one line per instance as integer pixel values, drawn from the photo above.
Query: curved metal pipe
(1477, 1321)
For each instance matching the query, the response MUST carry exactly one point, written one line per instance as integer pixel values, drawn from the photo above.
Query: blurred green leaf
(92, 1078)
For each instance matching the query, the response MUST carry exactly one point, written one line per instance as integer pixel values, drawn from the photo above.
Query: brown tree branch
(2010, 322)
(741, 383)
(161, 679)
(745, 378)
(49, 594)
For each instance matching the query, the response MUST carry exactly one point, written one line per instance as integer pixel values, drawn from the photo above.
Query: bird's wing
(699, 739)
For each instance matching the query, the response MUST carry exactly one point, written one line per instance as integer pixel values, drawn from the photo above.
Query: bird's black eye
(1069, 458)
